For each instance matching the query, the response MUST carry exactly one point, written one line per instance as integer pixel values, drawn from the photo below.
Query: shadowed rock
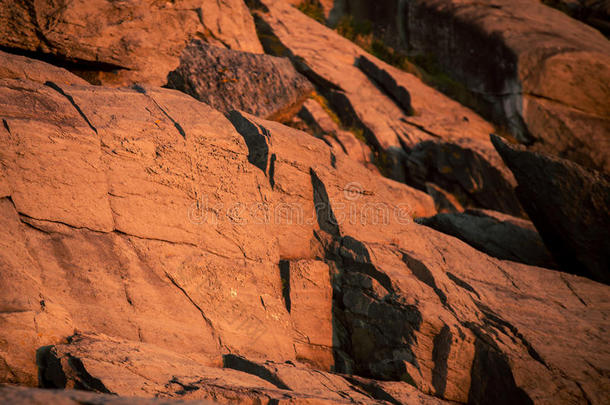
(468, 170)
(568, 204)
(496, 234)
(541, 73)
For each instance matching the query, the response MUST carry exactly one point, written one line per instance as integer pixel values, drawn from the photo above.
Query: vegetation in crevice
(313, 9)
(361, 34)
(423, 66)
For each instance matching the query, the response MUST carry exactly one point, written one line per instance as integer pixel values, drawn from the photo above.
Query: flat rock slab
(36, 396)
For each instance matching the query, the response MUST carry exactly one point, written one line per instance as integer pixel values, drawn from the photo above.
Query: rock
(105, 189)
(101, 364)
(287, 157)
(592, 12)
(262, 85)
(308, 298)
(315, 384)
(22, 396)
(443, 201)
(498, 235)
(370, 95)
(20, 67)
(570, 207)
(418, 306)
(112, 366)
(146, 238)
(113, 43)
(542, 73)
(325, 127)
(466, 169)
(104, 365)
(395, 392)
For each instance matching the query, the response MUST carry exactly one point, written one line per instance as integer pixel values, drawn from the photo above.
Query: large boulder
(119, 43)
(543, 74)
(263, 85)
(569, 205)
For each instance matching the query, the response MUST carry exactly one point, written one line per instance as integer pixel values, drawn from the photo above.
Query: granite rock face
(114, 43)
(544, 74)
(393, 110)
(569, 205)
(262, 85)
(154, 247)
(322, 125)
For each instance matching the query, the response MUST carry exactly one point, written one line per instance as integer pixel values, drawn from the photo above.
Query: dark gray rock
(568, 204)
(388, 83)
(496, 234)
(262, 85)
(473, 174)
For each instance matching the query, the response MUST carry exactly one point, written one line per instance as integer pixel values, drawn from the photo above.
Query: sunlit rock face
(538, 72)
(164, 244)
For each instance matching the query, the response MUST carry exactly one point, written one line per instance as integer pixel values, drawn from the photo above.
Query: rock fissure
(71, 100)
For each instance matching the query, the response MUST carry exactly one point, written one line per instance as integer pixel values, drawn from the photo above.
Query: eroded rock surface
(151, 245)
(263, 85)
(118, 43)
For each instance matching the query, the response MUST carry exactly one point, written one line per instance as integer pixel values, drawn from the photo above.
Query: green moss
(313, 9)
(434, 75)
(270, 42)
